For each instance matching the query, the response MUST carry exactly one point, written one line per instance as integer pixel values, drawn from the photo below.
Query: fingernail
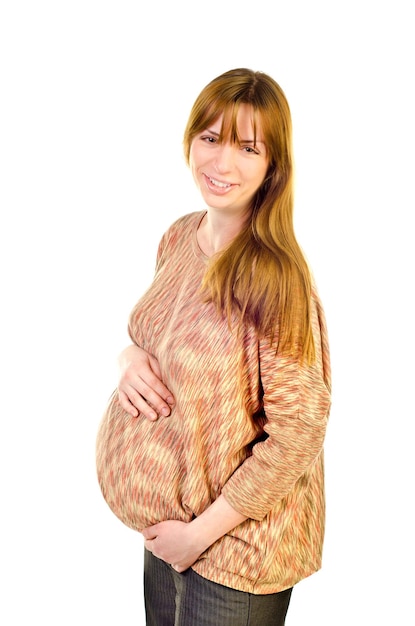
(165, 411)
(170, 400)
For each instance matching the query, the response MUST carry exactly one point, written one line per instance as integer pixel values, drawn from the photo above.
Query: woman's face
(229, 174)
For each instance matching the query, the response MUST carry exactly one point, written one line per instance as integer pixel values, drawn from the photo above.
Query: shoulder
(184, 223)
(179, 233)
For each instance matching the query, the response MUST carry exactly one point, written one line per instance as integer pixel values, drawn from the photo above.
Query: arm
(140, 388)
(296, 399)
(181, 543)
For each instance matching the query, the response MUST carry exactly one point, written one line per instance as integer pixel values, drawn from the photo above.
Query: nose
(225, 158)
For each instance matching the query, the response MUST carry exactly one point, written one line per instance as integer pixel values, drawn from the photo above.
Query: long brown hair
(262, 274)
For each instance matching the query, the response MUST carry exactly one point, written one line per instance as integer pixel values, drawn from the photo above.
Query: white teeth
(218, 183)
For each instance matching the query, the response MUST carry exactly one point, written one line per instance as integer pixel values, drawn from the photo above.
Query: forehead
(238, 122)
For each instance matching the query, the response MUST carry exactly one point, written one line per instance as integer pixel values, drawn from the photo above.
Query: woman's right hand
(140, 388)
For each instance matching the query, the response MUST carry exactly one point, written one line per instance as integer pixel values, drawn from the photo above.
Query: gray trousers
(187, 599)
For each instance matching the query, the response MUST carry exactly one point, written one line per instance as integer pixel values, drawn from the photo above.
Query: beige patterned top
(247, 423)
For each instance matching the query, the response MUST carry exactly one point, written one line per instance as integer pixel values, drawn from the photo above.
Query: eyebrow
(251, 141)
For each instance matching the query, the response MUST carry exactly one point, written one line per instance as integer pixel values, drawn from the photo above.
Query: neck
(216, 231)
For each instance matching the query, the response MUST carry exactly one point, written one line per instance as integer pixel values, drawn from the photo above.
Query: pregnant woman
(212, 444)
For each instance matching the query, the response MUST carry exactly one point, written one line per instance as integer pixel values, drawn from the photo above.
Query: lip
(215, 188)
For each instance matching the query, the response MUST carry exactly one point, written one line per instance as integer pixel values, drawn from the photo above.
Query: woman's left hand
(174, 542)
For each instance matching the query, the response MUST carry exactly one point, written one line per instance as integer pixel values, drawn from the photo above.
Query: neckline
(196, 248)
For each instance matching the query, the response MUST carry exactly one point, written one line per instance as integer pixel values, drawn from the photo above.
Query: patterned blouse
(248, 424)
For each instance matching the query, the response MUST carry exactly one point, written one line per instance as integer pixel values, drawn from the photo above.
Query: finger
(151, 376)
(157, 383)
(179, 568)
(149, 385)
(144, 394)
(147, 399)
(133, 403)
(126, 404)
(155, 391)
(149, 533)
(148, 544)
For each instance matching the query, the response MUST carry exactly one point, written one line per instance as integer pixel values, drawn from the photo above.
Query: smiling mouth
(218, 183)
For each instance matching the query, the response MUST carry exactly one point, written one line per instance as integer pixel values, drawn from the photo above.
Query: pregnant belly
(140, 467)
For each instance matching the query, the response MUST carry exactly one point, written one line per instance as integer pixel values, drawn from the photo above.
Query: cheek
(264, 172)
(194, 159)
(193, 169)
(259, 175)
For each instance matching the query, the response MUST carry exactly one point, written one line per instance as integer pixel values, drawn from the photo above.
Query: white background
(94, 99)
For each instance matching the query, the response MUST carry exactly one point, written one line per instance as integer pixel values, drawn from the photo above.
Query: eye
(249, 150)
(208, 139)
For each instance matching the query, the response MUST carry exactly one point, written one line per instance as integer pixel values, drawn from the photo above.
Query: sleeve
(297, 400)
